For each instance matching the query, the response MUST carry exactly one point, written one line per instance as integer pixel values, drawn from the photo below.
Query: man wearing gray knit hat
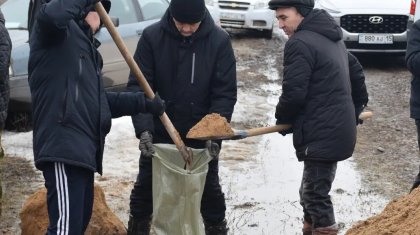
(317, 101)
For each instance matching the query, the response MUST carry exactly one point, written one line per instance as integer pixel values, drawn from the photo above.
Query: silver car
(133, 17)
(378, 26)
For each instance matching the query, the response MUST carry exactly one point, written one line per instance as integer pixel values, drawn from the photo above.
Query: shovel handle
(267, 130)
(173, 133)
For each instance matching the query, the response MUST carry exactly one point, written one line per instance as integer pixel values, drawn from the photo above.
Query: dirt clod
(212, 125)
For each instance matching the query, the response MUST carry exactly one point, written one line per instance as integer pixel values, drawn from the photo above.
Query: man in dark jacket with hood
(317, 101)
(412, 58)
(189, 61)
(71, 110)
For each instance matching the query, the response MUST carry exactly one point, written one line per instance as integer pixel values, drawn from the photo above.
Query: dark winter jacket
(5, 50)
(195, 75)
(358, 87)
(316, 96)
(71, 111)
(412, 58)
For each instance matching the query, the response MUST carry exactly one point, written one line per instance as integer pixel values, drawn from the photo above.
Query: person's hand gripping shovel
(184, 150)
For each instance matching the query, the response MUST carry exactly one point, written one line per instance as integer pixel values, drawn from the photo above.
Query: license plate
(375, 39)
(232, 16)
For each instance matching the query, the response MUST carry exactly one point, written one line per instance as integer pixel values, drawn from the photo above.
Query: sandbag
(177, 192)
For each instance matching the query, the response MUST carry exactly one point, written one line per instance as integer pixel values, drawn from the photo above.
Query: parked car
(371, 25)
(133, 17)
(245, 14)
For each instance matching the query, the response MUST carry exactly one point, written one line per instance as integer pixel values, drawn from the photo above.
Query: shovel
(170, 128)
(241, 134)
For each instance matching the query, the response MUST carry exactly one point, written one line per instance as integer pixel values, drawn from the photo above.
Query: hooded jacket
(195, 75)
(412, 58)
(5, 51)
(316, 96)
(71, 110)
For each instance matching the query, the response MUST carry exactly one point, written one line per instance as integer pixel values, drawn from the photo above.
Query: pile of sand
(400, 217)
(212, 125)
(34, 216)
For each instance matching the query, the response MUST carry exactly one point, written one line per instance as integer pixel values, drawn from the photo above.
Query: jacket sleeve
(223, 85)
(412, 56)
(5, 51)
(298, 64)
(125, 103)
(144, 59)
(54, 16)
(357, 79)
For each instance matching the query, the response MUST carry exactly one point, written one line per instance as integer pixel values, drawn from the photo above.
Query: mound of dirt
(401, 216)
(34, 216)
(212, 125)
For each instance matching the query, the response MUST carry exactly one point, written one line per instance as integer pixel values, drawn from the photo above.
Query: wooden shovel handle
(173, 133)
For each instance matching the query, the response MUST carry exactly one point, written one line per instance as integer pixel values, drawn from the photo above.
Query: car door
(134, 16)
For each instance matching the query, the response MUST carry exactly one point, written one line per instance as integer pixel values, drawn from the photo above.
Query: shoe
(216, 229)
(138, 226)
(330, 230)
(307, 228)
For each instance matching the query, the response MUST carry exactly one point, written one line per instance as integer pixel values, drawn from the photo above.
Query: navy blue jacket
(316, 96)
(194, 75)
(412, 59)
(71, 110)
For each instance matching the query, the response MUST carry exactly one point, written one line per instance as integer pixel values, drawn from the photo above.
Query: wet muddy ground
(261, 176)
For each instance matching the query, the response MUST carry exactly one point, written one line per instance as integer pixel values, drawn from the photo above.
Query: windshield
(16, 13)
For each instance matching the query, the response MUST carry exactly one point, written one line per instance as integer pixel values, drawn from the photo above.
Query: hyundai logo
(376, 20)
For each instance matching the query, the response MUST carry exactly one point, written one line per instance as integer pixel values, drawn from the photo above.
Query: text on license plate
(375, 39)
(232, 16)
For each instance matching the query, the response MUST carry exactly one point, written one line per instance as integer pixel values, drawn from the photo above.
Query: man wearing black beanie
(189, 61)
(317, 101)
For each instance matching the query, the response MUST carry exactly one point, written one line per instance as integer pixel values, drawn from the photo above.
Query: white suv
(371, 25)
(245, 14)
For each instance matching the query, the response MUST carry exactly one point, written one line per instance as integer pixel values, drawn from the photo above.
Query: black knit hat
(302, 6)
(188, 11)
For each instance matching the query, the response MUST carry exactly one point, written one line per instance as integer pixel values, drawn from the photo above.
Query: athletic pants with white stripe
(69, 198)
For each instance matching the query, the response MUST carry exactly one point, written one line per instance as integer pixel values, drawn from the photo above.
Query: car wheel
(268, 33)
(19, 121)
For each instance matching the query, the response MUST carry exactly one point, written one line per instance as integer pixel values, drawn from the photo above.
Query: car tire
(268, 33)
(19, 121)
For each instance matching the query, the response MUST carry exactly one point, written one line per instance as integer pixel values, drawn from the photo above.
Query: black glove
(285, 132)
(155, 106)
(358, 110)
(146, 144)
(213, 148)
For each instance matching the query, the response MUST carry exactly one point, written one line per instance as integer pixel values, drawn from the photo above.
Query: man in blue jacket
(189, 61)
(317, 101)
(71, 110)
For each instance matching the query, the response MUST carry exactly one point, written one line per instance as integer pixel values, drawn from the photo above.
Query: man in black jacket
(189, 61)
(71, 110)
(317, 101)
(412, 59)
(5, 51)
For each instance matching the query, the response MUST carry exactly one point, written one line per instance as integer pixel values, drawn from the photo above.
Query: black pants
(69, 198)
(314, 193)
(213, 205)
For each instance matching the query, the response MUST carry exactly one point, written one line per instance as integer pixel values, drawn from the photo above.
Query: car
(372, 26)
(133, 16)
(245, 14)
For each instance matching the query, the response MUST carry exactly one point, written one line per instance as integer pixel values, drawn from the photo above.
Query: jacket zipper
(193, 69)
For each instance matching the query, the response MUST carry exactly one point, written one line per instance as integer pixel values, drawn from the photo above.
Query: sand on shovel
(400, 217)
(212, 125)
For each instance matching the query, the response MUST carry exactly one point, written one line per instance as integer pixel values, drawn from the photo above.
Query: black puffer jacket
(71, 110)
(5, 50)
(412, 59)
(195, 75)
(316, 96)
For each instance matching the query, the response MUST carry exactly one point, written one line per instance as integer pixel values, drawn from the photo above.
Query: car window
(153, 9)
(124, 10)
(16, 13)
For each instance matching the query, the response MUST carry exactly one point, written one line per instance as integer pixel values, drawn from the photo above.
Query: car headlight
(261, 4)
(210, 2)
(10, 71)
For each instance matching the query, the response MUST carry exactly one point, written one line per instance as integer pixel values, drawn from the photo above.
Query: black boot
(138, 226)
(216, 229)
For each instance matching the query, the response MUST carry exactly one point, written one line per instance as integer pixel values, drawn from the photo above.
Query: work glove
(213, 148)
(146, 144)
(358, 110)
(156, 106)
(285, 132)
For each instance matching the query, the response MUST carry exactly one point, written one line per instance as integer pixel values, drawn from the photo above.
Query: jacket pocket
(63, 114)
